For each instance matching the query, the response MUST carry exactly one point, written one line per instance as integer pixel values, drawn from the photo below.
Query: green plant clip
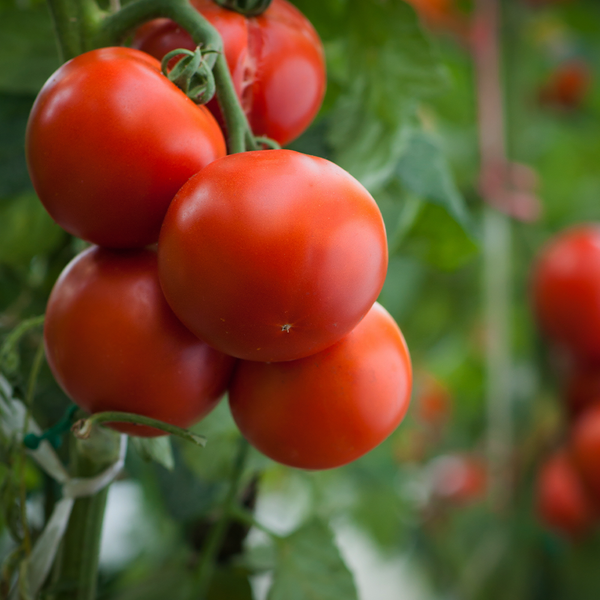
(54, 434)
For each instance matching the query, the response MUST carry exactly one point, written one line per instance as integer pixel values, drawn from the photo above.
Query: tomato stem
(82, 428)
(117, 26)
(217, 533)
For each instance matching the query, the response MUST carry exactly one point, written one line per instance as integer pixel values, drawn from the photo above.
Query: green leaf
(14, 111)
(28, 51)
(383, 66)
(26, 230)
(158, 449)
(229, 584)
(310, 567)
(424, 171)
(438, 239)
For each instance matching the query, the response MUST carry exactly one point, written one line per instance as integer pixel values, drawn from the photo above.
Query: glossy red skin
(272, 255)
(566, 292)
(328, 409)
(562, 502)
(585, 448)
(276, 61)
(113, 343)
(109, 142)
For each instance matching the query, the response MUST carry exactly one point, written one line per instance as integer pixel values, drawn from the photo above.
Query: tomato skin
(272, 255)
(328, 409)
(113, 343)
(276, 61)
(585, 448)
(566, 292)
(582, 390)
(109, 142)
(562, 503)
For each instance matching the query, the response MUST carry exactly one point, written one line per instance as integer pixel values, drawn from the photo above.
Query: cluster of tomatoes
(254, 272)
(566, 294)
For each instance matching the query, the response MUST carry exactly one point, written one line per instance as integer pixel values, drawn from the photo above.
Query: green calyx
(248, 8)
(192, 74)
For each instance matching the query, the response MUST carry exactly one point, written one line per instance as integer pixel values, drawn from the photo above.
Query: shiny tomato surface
(276, 62)
(562, 502)
(566, 292)
(109, 142)
(113, 343)
(328, 409)
(272, 255)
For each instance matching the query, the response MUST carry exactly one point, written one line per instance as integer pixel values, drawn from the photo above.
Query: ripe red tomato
(561, 500)
(433, 402)
(566, 292)
(567, 86)
(113, 343)
(328, 409)
(442, 15)
(585, 448)
(272, 255)
(276, 62)
(458, 478)
(109, 142)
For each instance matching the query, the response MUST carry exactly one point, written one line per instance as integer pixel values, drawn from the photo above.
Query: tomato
(561, 500)
(272, 255)
(113, 343)
(458, 478)
(434, 401)
(442, 15)
(276, 62)
(585, 448)
(109, 142)
(582, 389)
(567, 86)
(566, 292)
(328, 409)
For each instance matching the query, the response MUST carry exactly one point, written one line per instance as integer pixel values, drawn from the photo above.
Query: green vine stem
(496, 253)
(76, 568)
(82, 428)
(241, 515)
(217, 533)
(115, 28)
(75, 24)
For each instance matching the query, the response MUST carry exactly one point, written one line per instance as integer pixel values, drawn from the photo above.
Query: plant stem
(116, 27)
(75, 24)
(497, 243)
(241, 515)
(83, 427)
(76, 568)
(218, 531)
